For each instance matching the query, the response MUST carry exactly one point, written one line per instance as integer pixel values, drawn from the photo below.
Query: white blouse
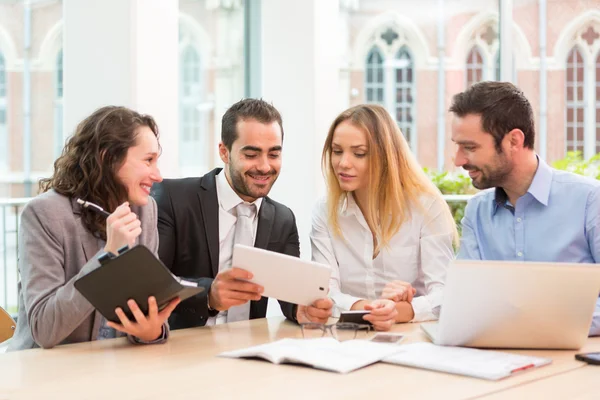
(419, 253)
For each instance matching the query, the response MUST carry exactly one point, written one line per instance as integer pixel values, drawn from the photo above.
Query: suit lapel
(90, 245)
(265, 224)
(210, 216)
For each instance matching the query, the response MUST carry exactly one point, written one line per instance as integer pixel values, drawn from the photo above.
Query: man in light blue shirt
(530, 211)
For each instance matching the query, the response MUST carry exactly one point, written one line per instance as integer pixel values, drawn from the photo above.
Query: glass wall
(407, 58)
(30, 76)
(397, 51)
(211, 64)
(211, 77)
(394, 54)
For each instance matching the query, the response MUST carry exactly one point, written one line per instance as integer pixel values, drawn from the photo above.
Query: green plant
(453, 183)
(574, 162)
(458, 183)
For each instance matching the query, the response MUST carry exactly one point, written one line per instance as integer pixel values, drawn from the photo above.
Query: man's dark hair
(502, 107)
(247, 109)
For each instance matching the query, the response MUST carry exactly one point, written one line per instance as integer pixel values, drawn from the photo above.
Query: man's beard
(490, 178)
(240, 186)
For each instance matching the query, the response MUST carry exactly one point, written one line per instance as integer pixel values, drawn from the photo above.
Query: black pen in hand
(94, 207)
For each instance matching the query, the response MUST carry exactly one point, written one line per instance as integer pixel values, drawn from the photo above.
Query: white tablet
(284, 277)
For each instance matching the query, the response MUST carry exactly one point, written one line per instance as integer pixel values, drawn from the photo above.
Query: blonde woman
(384, 227)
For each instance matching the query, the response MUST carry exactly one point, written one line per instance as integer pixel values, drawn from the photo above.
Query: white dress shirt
(228, 200)
(419, 253)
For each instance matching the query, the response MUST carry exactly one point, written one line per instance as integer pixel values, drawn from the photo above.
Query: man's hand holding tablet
(232, 288)
(260, 272)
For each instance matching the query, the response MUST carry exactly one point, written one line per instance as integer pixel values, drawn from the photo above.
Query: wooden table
(186, 367)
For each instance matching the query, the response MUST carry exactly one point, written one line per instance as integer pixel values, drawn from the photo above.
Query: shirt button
(520, 254)
(519, 219)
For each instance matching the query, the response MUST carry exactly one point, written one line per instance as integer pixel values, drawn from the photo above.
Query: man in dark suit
(200, 219)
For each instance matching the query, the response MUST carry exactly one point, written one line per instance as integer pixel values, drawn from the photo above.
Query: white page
(321, 353)
(486, 364)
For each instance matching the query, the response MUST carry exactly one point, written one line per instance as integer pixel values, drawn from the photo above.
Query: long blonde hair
(396, 180)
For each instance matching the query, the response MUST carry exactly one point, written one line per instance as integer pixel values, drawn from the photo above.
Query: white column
(301, 76)
(389, 69)
(441, 84)
(589, 131)
(229, 81)
(542, 16)
(347, 7)
(124, 52)
(506, 49)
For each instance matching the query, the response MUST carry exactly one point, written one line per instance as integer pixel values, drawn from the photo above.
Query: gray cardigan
(55, 249)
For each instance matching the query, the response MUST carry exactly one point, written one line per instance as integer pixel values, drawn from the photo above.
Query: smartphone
(354, 317)
(387, 338)
(590, 358)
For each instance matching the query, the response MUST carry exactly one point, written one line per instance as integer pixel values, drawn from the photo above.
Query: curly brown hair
(91, 158)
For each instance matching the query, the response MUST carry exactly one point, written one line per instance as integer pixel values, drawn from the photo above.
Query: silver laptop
(503, 304)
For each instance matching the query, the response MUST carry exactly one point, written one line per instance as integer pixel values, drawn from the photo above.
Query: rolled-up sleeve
(437, 235)
(323, 252)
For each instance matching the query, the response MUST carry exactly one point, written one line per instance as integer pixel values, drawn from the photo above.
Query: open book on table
(485, 364)
(322, 353)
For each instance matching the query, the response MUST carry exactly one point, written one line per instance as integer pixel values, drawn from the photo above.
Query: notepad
(135, 274)
(484, 364)
(321, 353)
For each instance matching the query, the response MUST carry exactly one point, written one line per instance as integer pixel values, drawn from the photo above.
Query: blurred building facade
(392, 52)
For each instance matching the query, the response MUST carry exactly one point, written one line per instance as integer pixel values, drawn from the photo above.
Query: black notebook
(135, 274)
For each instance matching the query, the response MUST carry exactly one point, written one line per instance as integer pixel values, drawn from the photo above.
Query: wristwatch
(208, 303)
(211, 311)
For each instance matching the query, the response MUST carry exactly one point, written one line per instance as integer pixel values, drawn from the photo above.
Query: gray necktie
(244, 234)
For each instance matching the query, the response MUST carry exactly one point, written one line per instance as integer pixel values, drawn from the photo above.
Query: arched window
(575, 103)
(3, 116)
(474, 67)
(405, 95)
(375, 78)
(192, 139)
(58, 105)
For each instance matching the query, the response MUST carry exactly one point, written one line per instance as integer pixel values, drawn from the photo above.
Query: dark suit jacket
(188, 226)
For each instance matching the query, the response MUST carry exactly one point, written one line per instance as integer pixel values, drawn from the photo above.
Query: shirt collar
(228, 198)
(542, 180)
(349, 207)
(539, 188)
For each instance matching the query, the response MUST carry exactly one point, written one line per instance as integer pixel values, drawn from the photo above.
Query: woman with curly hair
(111, 160)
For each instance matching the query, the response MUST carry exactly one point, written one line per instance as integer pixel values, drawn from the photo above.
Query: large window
(390, 81)
(582, 87)
(3, 116)
(375, 82)
(575, 101)
(211, 77)
(192, 130)
(475, 66)
(405, 93)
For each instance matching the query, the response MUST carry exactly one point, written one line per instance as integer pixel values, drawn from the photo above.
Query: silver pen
(94, 207)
